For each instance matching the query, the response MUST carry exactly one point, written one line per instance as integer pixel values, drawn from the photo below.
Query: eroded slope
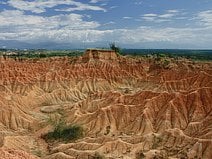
(129, 108)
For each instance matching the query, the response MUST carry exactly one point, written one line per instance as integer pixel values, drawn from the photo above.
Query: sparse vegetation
(156, 141)
(42, 55)
(115, 48)
(63, 131)
(107, 130)
(199, 55)
(38, 153)
(161, 61)
(39, 53)
(140, 155)
(166, 63)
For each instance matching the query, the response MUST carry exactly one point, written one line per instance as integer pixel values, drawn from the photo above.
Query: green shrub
(67, 133)
(161, 55)
(42, 55)
(166, 64)
(115, 48)
(64, 132)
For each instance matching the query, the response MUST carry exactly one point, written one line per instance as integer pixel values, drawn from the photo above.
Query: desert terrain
(128, 107)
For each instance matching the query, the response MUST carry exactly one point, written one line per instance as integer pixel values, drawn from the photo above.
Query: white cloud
(127, 17)
(3, 2)
(16, 20)
(38, 6)
(173, 11)
(158, 18)
(182, 37)
(81, 8)
(166, 15)
(205, 18)
(146, 18)
(113, 7)
(16, 25)
(71, 28)
(150, 15)
(95, 1)
(109, 23)
(149, 34)
(179, 36)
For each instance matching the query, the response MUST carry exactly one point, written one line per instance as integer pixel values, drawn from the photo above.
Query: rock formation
(15, 154)
(130, 108)
(99, 54)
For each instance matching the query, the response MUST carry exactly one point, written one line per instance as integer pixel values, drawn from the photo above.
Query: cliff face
(129, 107)
(99, 54)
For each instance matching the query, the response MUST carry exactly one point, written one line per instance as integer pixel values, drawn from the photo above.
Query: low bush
(64, 132)
(71, 132)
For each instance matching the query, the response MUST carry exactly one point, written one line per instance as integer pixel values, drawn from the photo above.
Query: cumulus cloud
(179, 36)
(38, 6)
(16, 25)
(13, 19)
(72, 28)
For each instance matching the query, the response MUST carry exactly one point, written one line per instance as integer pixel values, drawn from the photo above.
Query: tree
(114, 47)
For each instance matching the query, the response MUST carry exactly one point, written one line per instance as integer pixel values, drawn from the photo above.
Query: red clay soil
(129, 107)
(15, 154)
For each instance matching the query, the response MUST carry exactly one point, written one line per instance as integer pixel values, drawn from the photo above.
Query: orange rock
(127, 106)
(15, 154)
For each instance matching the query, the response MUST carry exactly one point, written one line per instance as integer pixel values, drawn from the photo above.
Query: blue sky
(176, 24)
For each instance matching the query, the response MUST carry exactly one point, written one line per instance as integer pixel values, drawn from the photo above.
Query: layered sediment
(129, 107)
